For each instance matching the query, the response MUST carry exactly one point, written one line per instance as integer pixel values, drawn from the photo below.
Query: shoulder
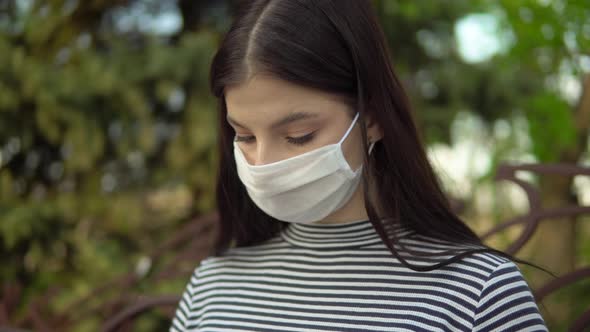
(471, 260)
(506, 301)
(505, 278)
(502, 275)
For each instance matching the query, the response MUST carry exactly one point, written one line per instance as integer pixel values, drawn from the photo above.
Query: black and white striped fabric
(342, 277)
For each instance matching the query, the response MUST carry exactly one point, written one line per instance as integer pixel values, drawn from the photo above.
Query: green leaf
(551, 126)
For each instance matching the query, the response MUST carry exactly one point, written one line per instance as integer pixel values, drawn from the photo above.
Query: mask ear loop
(349, 129)
(371, 147)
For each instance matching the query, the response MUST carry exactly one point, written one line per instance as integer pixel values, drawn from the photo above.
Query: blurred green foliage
(107, 135)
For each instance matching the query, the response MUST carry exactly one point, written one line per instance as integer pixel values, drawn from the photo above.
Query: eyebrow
(290, 118)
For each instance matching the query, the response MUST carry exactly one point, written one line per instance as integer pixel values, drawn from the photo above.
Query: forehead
(264, 98)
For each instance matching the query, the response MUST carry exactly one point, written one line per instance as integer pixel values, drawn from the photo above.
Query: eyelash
(301, 140)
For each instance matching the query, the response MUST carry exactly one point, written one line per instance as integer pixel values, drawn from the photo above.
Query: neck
(333, 236)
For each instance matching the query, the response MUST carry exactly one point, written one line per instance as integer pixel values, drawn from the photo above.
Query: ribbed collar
(332, 236)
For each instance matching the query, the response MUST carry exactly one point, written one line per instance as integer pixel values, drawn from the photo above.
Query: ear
(374, 132)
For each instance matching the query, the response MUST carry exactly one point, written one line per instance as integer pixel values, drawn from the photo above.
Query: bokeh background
(107, 140)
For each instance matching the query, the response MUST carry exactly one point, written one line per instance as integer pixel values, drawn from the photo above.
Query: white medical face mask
(301, 189)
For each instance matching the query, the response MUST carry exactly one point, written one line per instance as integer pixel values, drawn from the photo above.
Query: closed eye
(245, 139)
(300, 140)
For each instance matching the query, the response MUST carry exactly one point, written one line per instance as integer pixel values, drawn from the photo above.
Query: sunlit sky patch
(478, 37)
(166, 20)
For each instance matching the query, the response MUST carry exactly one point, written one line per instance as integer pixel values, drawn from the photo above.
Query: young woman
(331, 217)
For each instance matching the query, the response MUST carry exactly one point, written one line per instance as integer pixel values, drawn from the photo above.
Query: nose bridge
(261, 154)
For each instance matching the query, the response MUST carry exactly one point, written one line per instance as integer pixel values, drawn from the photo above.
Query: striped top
(342, 277)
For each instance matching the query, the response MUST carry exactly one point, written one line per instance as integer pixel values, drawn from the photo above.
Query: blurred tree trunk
(554, 242)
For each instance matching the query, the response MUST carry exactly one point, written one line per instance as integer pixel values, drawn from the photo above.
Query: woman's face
(275, 119)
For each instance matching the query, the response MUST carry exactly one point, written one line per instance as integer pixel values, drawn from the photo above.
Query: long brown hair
(336, 46)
